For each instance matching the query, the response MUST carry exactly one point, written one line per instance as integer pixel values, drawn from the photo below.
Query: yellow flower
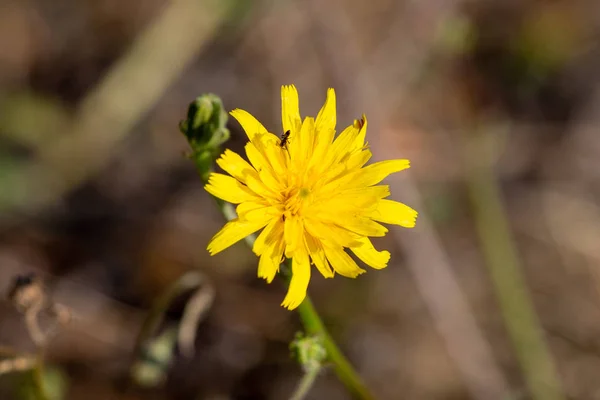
(311, 195)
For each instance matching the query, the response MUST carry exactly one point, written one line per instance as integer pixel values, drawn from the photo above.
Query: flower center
(295, 201)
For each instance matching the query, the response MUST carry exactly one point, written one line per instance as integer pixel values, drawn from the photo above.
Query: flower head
(312, 196)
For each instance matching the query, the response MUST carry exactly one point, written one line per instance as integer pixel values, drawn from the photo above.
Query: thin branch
(307, 382)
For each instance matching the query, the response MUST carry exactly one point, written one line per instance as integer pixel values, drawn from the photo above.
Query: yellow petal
(250, 124)
(358, 159)
(253, 211)
(369, 175)
(342, 263)
(326, 119)
(258, 186)
(268, 267)
(300, 278)
(342, 144)
(317, 254)
(290, 109)
(329, 173)
(308, 136)
(257, 154)
(375, 173)
(370, 256)
(271, 235)
(247, 207)
(365, 227)
(324, 131)
(271, 181)
(269, 262)
(256, 158)
(229, 189)
(234, 231)
(300, 145)
(355, 225)
(278, 159)
(235, 165)
(370, 191)
(330, 232)
(260, 152)
(293, 234)
(351, 199)
(393, 212)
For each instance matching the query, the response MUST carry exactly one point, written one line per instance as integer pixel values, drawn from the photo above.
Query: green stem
(38, 376)
(305, 384)
(313, 325)
(507, 278)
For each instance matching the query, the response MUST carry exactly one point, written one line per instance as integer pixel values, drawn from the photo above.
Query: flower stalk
(308, 380)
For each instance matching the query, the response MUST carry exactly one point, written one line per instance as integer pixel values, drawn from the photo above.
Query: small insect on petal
(284, 139)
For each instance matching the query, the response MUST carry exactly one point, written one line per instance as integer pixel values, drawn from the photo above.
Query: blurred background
(496, 103)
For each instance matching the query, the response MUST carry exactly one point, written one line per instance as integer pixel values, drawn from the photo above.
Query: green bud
(205, 129)
(309, 351)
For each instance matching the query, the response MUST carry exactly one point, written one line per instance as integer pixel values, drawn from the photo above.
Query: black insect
(285, 139)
